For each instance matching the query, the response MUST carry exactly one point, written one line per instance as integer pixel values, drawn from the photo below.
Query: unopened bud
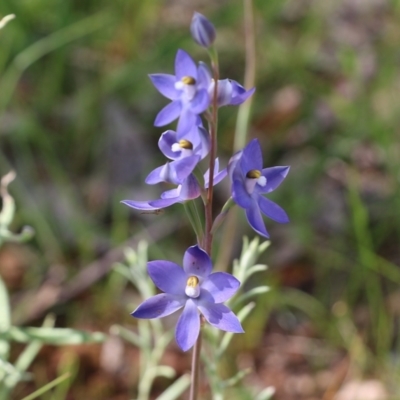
(203, 31)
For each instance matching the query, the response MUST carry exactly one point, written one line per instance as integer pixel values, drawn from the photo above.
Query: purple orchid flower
(185, 153)
(229, 92)
(188, 190)
(187, 92)
(193, 288)
(250, 181)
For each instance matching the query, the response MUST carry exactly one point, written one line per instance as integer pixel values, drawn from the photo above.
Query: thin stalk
(213, 153)
(208, 212)
(194, 387)
(48, 386)
(243, 118)
(5, 319)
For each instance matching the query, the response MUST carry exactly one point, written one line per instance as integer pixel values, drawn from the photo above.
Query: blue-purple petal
(240, 94)
(165, 84)
(190, 189)
(221, 285)
(159, 306)
(233, 161)
(220, 316)
(255, 220)
(272, 210)
(218, 175)
(193, 135)
(168, 276)
(240, 195)
(160, 174)
(197, 262)
(274, 177)
(184, 65)
(251, 157)
(186, 122)
(139, 205)
(224, 95)
(167, 139)
(165, 202)
(205, 141)
(170, 194)
(200, 102)
(184, 167)
(169, 113)
(204, 76)
(188, 326)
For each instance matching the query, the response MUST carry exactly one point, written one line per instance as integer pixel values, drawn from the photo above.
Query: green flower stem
(193, 214)
(47, 387)
(222, 215)
(212, 52)
(176, 389)
(5, 319)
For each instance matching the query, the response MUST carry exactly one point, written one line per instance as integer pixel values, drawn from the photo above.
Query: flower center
(192, 287)
(188, 85)
(188, 80)
(184, 146)
(253, 177)
(253, 174)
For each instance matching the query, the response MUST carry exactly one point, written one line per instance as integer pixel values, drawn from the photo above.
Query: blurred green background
(76, 115)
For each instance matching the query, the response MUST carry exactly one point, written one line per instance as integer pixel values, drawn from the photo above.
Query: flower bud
(203, 31)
